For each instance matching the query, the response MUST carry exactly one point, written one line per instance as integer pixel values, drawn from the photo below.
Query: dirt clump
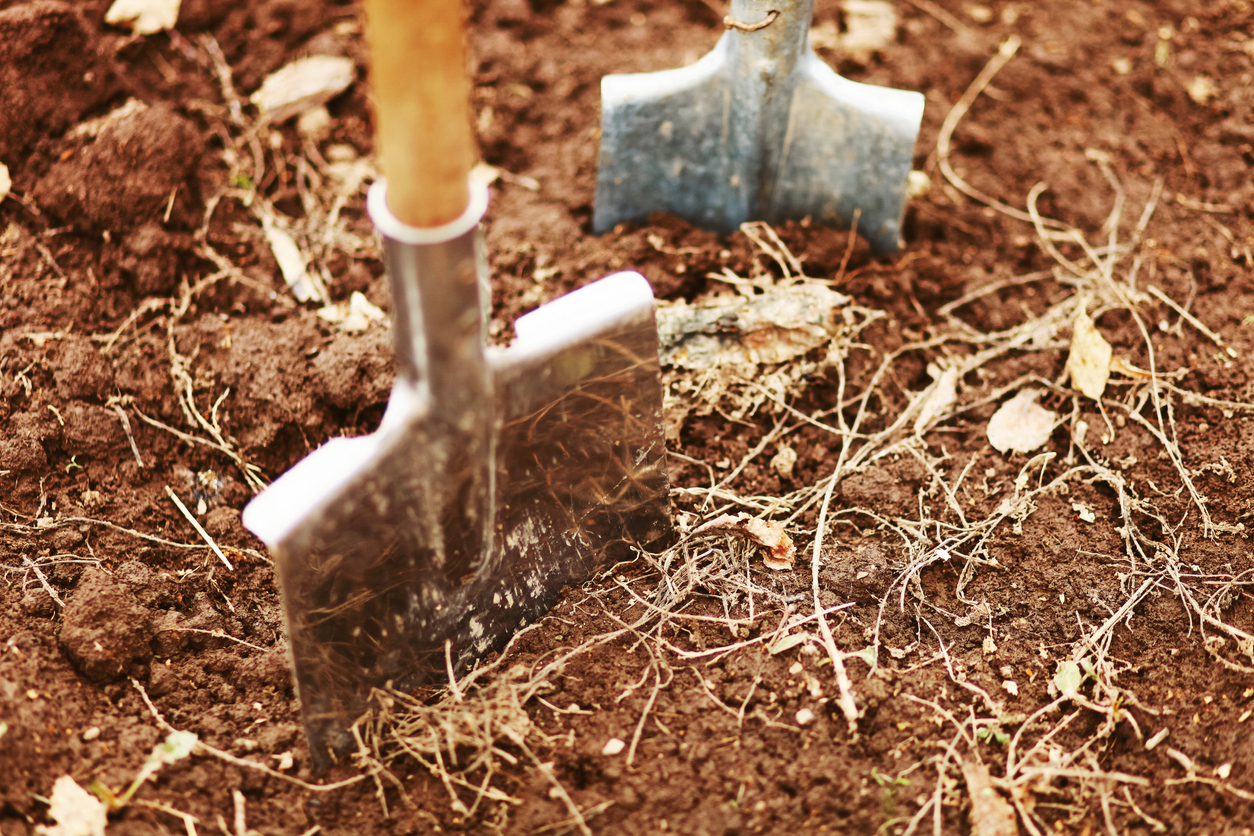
(82, 373)
(105, 630)
(134, 172)
(22, 454)
(49, 72)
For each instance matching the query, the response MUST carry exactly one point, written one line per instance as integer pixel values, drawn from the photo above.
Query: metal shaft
(761, 63)
(439, 295)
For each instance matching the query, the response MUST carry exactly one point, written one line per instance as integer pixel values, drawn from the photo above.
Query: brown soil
(105, 312)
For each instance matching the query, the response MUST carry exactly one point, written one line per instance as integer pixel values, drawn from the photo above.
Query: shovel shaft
(422, 107)
(439, 287)
(771, 52)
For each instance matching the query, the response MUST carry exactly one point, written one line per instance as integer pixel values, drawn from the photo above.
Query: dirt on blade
(1063, 636)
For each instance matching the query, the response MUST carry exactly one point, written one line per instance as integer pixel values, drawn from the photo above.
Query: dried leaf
(788, 642)
(303, 84)
(1068, 679)
(5, 182)
(991, 815)
(92, 127)
(75, 811)
(291, 261)
(780, 551)
(349, 174)
(917, 184)
(355, 316)
(940, 396)
(146, 17)
(176, 746)
(1021, 424)
(784, 461)
(1089, 360)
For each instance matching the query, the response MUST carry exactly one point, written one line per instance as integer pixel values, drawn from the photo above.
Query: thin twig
(1191, 319)
(939, 12)
(196, 525)
(126, 427)
(43, 580)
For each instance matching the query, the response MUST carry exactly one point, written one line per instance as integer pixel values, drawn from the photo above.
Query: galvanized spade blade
(758, 129)
(496, 478)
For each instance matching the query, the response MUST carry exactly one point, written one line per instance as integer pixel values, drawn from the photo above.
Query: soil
(122, 310)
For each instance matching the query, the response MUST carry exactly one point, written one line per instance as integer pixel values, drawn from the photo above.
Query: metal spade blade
(496, 478)
(758, 129)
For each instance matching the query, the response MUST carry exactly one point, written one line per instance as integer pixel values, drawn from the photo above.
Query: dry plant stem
(853, 238)
(189, 821)
(547, 771)
(1244, 795)
(241, 822)
(1191, 319)
(126, 427)
(43, 581)
(848, 705)
(994, 66)
(184, 387)
(942, 14)
(241, 762)
(992, 287)
(190, 439)
(178, 503)
(766, 441)
(30, 529)
(453, 687)
(216, 634)
(658, 685)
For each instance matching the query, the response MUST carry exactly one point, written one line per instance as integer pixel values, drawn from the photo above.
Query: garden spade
(758, 129)
(497, 475)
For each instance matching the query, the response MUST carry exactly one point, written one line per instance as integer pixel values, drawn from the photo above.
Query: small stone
(805, 717)
(784, 461)
(162, 681)
(91, 734)
(613, 746)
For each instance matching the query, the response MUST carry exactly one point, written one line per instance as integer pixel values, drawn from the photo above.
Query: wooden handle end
(422, 107)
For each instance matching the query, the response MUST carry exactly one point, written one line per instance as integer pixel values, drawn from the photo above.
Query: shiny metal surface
(496, 478)
(758, 129)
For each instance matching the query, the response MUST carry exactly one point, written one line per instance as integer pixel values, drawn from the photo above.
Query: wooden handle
(422, 107)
